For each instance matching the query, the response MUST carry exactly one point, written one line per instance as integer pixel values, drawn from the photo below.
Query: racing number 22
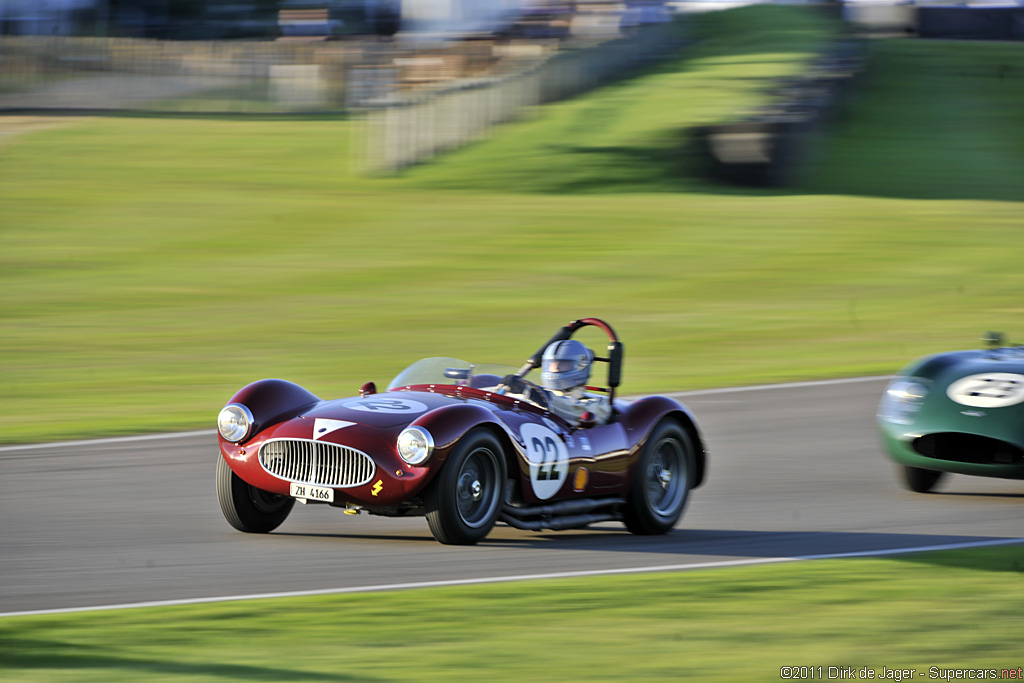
(546, 450)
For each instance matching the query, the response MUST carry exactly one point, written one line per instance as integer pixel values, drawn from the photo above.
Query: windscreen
(450, 371)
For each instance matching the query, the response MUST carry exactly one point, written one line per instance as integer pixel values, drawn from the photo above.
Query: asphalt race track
(794, 470)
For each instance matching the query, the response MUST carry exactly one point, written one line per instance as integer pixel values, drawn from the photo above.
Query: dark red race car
(450, 441)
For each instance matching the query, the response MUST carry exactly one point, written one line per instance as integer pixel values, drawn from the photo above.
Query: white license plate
(308, 492)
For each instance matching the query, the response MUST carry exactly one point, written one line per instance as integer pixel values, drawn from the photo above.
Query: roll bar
(615, 350)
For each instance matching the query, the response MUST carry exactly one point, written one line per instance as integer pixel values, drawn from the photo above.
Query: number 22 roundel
(548, 458)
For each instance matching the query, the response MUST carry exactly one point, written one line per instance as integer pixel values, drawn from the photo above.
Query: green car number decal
(988, 390)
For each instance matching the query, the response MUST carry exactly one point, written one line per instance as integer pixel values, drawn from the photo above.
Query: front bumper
(386, 480)
(955, 452)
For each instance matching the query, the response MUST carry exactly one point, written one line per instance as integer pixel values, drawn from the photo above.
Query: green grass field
(151, 266)
(946, 610)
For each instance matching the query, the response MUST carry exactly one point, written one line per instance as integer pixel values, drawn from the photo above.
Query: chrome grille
(315, 462)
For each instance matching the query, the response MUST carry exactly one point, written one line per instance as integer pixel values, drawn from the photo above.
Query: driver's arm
(514, 383)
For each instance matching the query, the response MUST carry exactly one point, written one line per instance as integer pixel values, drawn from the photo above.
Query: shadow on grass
(26, 653)
(1007, 559)
(621, 168)
(925, 121)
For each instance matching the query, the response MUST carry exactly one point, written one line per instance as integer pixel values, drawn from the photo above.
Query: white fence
(406, 128)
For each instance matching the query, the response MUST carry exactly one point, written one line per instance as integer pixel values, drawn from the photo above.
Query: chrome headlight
(903, 399)
(415, 445)
(234, 422)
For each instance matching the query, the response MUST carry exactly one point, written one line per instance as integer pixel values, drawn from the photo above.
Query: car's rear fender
(273, 400)
(642, 415)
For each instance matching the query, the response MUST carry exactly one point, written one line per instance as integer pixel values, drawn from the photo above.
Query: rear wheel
(920, 480)
(246, 507)
(661, 481)
(464, 500)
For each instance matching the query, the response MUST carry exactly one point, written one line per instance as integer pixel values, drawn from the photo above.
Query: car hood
(960, 363)
(973, 392)
(946, 369)
(386, 410)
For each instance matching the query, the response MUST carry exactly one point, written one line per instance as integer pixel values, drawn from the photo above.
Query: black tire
(246, 507)
(464, 500)
(661, 480)
(918, 479)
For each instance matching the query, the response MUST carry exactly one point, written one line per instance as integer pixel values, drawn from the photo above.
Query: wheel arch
(273, 400)
(646, 413)
(690, 425)
(464, 500)
(449, 424)
(509, 446)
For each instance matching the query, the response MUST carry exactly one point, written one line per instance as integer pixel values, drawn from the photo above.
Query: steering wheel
(515, 384)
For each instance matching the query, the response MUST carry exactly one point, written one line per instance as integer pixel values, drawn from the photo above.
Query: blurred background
(284, 55)
(196, 194)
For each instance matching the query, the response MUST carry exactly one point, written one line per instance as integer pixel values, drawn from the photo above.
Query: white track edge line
(695, 392)
(524, 577)
(785, 385)
(116, 439)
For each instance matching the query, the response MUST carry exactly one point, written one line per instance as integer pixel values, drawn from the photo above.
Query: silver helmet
(565, 364)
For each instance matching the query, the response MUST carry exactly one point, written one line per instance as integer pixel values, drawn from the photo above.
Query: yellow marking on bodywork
(377, 487)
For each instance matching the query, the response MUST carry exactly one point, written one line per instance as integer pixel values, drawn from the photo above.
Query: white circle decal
(548, 458)
(988, 390)
(384, 404)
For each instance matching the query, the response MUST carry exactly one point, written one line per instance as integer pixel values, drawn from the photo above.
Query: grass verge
(946, 610)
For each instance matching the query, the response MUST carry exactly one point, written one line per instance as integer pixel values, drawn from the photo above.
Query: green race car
(960, 412)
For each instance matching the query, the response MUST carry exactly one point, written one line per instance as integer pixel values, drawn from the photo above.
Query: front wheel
(920, 480)
(661, 480)
(246, 507)
(464, 501)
